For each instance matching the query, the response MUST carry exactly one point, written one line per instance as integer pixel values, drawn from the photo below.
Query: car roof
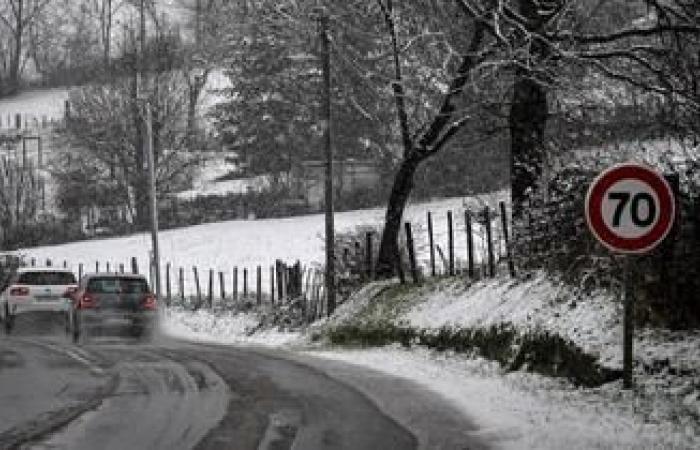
(43, 269)
(133, 276)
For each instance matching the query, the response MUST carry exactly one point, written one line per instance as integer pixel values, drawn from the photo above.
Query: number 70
(623, 199)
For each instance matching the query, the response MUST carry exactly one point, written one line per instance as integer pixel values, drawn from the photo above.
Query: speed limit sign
(630, 208)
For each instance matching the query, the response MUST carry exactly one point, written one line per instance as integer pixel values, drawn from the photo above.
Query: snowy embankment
(515, 409)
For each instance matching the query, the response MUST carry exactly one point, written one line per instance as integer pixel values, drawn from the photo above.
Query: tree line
(412, 81)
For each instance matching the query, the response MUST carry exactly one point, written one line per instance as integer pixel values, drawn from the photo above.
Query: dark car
(108, 302)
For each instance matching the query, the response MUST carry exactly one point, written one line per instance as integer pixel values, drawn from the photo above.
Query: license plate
(116, 321)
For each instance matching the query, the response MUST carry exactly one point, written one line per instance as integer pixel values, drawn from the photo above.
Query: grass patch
(534, 351)
(378, 323)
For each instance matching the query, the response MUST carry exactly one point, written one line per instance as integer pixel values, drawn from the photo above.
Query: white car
(36, 289)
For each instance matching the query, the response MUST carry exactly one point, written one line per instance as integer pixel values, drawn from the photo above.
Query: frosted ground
(515, 410)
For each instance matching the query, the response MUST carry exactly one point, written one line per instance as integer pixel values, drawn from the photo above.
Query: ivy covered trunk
(528, 119)
(528, 113)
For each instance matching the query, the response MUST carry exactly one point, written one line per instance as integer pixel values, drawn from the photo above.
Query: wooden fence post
(504, 224)
(280, 281)
(222, 287)
(197, 287)
(272, 284)
(411, 252)
(316, 291)
(168, 297)
(489, 243)
(431, 243)
(181, 278)
(368, 254)
(470, 243)
(234, 282)
(134, 265)
(258, 293)
(450, 244)
(245, 283)
(298, 279)
(210, 292)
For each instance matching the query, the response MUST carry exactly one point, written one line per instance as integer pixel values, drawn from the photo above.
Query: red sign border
(667, 208)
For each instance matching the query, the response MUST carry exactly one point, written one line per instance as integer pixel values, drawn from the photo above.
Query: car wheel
(145, 335)
(9, 319)
(75, 328)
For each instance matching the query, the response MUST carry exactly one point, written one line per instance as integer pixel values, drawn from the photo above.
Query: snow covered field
(247, 243)
(35, 103)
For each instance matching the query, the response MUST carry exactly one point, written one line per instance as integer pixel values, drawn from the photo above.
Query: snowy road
(114, 394)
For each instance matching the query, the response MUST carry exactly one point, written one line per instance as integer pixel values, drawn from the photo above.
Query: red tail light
(19, 291)
(87, 301)
(149, 302)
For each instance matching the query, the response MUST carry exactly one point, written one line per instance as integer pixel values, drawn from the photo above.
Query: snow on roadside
(222, 327)
(592, 322)
(515, 410)
(525, 411)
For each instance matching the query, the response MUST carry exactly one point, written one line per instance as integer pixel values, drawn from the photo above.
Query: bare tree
(105, 154)
(19, 198)
(425, 142)
(17, 16)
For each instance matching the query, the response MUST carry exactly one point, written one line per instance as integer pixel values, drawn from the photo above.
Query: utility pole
(153, 201)
(330, 238)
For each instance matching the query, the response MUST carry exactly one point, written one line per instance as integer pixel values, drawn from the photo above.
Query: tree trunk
(192, 115)
(401, 190)
(528, 113)
(528, 119)
(107, 36)
(17, 53)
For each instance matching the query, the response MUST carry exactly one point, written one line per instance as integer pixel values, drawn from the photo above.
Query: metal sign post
(630, 209)
(627, 324)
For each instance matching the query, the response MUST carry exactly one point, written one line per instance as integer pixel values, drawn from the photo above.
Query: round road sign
(630, 208)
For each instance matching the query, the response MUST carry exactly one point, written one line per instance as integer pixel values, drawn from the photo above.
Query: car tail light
(87, 301)
(149, 302)
(19, 291)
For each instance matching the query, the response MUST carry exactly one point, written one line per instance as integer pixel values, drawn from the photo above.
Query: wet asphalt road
(114, 393)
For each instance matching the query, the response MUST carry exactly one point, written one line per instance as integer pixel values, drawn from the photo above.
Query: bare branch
(397, 84)
(626, 34)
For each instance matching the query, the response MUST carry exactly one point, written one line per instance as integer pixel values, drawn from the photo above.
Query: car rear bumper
(117, 319)
(24, 306)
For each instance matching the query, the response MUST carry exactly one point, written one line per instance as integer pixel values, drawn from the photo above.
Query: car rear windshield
(112, 285)
(46, 278)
